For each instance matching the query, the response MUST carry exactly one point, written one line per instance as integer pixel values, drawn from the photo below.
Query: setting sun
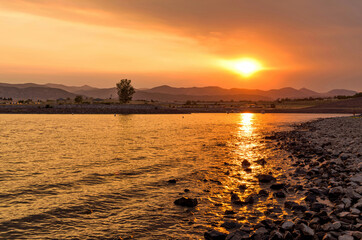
(245, 67)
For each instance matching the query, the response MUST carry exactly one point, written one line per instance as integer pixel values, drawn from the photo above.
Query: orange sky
(306, 43)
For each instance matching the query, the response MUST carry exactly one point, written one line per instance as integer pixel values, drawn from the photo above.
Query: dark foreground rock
(264, 178)
(186, 202)
(215, 235)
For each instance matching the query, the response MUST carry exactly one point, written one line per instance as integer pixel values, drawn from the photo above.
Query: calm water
(105, 176)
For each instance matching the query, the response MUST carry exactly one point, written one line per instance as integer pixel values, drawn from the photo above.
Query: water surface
(105, 176)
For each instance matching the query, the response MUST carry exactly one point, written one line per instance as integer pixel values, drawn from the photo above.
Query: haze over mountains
(161, 93)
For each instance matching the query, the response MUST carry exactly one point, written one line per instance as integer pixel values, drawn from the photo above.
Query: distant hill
(339, 92)
(35, 93)
(162, 93)
(71, 89)
(141, 95)
(22, 85)
(257, 94)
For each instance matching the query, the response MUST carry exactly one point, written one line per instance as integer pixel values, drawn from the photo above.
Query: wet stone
(275, 235)
(215, 235)
(280, 194)
(335, 193)
(357, 234)
(263, 193)
(248, 170)
(186, 202)
(287, 225)
(230, 212)
(355, 211)
(277, 186)
(317, 207)
(230, 225)
(261, 231)
(336, 225)
(264, 178)
(172, 181)
(311, 198)
(288, 236)
(245, 164)
(290, 204)
(345, 237)
(261, 161)
(235, 198)
(305, 230)
(238, 235)
(250, 199)
(328, 236)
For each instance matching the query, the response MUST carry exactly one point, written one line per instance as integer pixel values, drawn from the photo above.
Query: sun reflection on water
(246, 123)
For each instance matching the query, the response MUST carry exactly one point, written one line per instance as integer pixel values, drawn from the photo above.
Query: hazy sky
(301, 43)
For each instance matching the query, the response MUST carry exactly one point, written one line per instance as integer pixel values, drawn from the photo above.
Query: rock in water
(277, 186)
(235, 198)
(279, 195)
(230, 225)
(186, 202)
(250, 199)
(261, 161)
(214, 235)
(264, 178)
(245, 164)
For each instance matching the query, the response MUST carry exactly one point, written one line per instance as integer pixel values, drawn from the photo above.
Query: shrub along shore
(154, 109)
(327, 154)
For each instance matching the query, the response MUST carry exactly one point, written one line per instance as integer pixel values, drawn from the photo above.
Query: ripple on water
(108, 177)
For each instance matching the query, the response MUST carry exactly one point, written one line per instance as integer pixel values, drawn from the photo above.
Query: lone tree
(125, 91)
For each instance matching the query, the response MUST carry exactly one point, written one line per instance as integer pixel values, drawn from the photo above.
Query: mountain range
(162, 93)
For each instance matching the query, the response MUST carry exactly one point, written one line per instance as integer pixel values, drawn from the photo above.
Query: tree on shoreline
(125, 90)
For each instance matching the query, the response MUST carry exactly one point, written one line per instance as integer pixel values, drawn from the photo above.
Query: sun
(245, 67)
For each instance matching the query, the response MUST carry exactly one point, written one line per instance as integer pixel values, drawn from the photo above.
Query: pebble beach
(326, 155)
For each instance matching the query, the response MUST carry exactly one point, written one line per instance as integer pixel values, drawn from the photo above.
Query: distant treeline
(6, 99)
(320, 98)
(346, 97)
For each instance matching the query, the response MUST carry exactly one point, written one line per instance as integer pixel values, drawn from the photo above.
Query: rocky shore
(327, 156)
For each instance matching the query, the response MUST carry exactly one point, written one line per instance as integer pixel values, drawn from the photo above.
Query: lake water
(105, 176)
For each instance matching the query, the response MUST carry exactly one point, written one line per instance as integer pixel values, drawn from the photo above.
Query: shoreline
(155, 109)
(326, 154)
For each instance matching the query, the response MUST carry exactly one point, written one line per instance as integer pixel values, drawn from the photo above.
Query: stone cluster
(327, 154)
